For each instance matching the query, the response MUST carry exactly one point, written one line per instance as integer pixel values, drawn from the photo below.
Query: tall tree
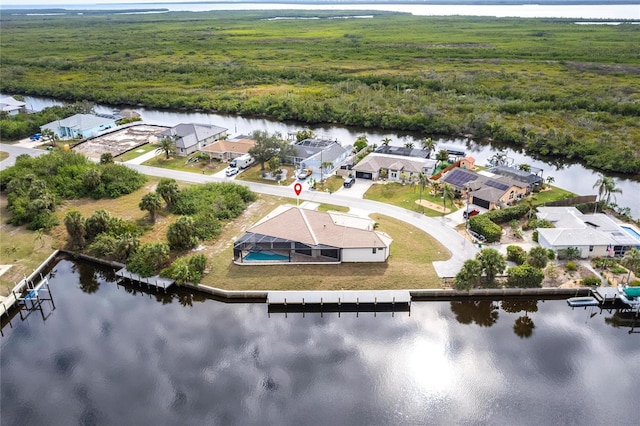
(151, 202)
(166, 146)
(75, 224)
(423, 180)
(305, 134)
(492, 263)
(168, 190)
(631, 260)
(427, 144)
(469, 276)
(448, 193)
(268, 146)
(360, 143)
(442, 156)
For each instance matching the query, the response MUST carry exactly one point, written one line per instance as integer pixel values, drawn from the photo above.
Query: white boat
(582, 301)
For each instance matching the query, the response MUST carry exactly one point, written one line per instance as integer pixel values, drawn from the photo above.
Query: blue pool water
(632, 232)
(266, 255)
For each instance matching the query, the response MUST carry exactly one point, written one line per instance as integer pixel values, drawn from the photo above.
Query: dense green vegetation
(36, 185)
(22, 125)
(547, 85)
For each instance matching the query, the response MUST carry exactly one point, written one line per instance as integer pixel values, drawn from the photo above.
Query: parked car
(36, 137)
(470, 213)
(348, 182)
(231, 171)
(305, 173)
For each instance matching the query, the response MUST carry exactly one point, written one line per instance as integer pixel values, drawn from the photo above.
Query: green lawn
(180, 163)
(254, 174)
(552, 194)
(405, 196)
(135, 153)
(3, 155)
(331, 184)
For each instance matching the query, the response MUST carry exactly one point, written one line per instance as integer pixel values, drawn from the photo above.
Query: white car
(231, 171)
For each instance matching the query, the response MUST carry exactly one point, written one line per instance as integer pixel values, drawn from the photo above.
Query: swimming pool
(266, 256)
(632, 232)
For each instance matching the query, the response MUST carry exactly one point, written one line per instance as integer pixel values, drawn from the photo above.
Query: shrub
(182, 233)
(568, 253)
(537, 223)
(618, 270)
(538, 257)
(551, 255)
(524, 276)
(534, 236)
(571, 266)
(516, 254)
(591, 281)
(149, 259)
(634, 283)
(507, 215)
(483, 226)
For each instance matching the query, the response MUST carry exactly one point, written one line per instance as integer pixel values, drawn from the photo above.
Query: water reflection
(125, 355)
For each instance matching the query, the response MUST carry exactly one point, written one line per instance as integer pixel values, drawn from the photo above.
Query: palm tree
(422, 181)
(469, 276)
(168, 190)
(492, 263)
(409, 145)
(428, 144)
(75, 224)
(524, 167)
(151, 202)
(631, 260)
(386, 141)
(442, 155)
(523, 327)
(448, 192)
(605, 186)
(166, 146)
(550, 180)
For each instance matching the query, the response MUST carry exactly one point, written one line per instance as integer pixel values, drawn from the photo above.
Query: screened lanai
(259, 248)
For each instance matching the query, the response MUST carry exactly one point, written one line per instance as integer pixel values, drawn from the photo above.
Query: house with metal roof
(319, 155)
(292, 234)
(593, 235)
(80, 126)
(190, 137)
(227, 150)
(532, 180)
(11, 106)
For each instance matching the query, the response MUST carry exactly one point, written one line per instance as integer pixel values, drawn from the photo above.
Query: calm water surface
(114, 355)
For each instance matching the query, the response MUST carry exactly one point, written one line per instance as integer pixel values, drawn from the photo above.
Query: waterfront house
(394, 167)
(11, 106)
(532, 181)
(190, 137)
(593, 235)
(227, 150)
(317, 154)
(80, 126)
(292, 234)
(485, 189)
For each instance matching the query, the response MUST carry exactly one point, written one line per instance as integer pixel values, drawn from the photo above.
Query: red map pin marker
(298, 188)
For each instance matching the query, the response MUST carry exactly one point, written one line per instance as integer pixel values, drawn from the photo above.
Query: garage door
(480, 202)
(363, 175)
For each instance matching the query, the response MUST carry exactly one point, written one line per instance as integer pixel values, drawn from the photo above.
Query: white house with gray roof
(190, 137)
(80, 126)
(394, 167)
(292, 234)
(11, 106)
(313, 153)
(594, 235)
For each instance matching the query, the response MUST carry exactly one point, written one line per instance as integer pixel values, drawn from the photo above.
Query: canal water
(571, 176)
(115, 355)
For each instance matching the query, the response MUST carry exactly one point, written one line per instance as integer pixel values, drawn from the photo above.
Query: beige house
(393, 167)
(484, 189)
(292, 234)
(190, 138)
(227, 150)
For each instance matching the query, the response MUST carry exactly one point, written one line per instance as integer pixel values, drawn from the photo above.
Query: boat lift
(34, 298)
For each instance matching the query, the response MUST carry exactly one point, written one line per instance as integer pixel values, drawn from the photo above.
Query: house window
(394, 175)
(374, 250)
(590, 248)
(511, 195)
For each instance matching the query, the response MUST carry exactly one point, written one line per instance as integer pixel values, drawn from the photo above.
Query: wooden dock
(339, 301)
(155, 281)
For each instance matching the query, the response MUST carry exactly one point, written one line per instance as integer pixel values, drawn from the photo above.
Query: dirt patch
(433, 206)
(118, 142)
(556, 275)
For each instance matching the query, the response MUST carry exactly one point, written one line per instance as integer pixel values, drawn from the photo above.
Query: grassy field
(407, 267)
(135, 153)
(552, 193)
(180, 163)
(546, 85)
(405, 196)
(254, 174)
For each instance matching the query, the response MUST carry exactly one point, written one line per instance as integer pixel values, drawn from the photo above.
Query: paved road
(440, 228)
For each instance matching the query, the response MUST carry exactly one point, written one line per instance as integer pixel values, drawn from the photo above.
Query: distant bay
(589, 10)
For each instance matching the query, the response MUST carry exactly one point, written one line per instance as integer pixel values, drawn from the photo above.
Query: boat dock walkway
(342, 300)
(154, 281)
